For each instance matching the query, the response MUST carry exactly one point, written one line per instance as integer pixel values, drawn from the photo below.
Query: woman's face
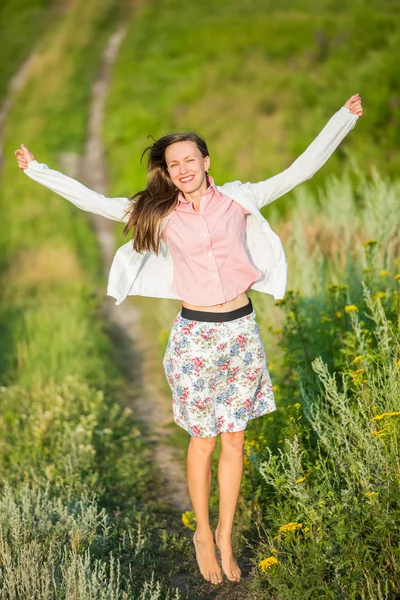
(186, 166)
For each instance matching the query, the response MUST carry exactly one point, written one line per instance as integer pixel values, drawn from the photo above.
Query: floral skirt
(218, 375)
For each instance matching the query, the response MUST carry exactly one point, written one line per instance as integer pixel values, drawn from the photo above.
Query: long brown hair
(160, 197)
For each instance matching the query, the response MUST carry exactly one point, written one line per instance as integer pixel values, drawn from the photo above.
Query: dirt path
(150, 407)
(126, 317)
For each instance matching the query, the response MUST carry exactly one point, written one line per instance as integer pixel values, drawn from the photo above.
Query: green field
(82, 511)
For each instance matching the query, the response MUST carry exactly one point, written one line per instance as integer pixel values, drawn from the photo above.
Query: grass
(258, 81)
(81, 515)
(22, 24)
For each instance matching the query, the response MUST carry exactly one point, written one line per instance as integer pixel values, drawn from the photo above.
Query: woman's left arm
(316, 155)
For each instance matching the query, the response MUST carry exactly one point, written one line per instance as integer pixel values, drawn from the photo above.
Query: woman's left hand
(354, 105)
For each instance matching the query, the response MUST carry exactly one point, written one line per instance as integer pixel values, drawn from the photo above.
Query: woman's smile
(187, 179)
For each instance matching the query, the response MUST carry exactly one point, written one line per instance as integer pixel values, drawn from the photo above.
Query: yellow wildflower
(277, 331)
(380, 295)
(370, 243)
(398, 363)
(338, 314)
(350, 308)
(384, 273)
(356, 374)
(291, 315)
(300, 480)
(371, 494)
(325, 320)
(275, 387)
(383, 415)
(333, 287)
(297, 405)
(270, 367)
(358, 358)
(380, 433)
(189, 519)
(280, 302)
(397, 277)
(267, 563)
(293, 526)
(274, 551)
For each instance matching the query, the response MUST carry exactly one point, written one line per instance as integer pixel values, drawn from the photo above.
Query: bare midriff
(240, 300)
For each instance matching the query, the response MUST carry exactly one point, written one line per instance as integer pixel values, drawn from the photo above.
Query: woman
(206, 245)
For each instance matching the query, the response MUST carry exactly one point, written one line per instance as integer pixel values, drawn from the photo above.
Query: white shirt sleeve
(308, 163)
(77, 193)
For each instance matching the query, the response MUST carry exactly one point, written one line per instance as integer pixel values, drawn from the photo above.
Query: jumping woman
(206, 245)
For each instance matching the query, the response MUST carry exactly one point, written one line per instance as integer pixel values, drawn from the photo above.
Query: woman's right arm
(72, 190)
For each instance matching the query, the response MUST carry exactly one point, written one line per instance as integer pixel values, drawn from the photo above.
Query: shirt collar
(210, 189)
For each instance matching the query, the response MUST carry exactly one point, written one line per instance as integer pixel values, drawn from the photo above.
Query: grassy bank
(80, 512)
(258, 80)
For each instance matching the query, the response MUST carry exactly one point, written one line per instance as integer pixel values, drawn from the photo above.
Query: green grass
(81, 515)
(259, 81)
(22, 24)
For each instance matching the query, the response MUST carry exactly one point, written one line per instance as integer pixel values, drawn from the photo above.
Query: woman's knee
(232, 440)
(203, 446)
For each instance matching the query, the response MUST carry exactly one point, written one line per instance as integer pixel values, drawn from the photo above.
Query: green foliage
(258, 80)
(70, 549)
(22, 22)
(337, 472)
(73, 438)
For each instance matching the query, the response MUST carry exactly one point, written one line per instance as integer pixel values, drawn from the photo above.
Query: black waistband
(217, 317)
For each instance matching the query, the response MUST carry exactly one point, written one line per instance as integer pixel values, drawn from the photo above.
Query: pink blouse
(211, 265)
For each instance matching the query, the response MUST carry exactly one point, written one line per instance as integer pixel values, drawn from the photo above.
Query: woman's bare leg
(199, 484)
(230, 470)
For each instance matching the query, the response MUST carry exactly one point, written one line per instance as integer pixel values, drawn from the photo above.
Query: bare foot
(229, 564)
(206, 558)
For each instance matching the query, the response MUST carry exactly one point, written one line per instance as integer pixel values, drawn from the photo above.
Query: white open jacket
(147, 274)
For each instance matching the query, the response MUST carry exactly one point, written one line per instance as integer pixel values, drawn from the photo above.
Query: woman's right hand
(24, 157)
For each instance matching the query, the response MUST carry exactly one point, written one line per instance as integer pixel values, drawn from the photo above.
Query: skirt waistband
(217, 317)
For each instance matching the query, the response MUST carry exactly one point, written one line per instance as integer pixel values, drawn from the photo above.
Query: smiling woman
(167, 165)
(206, 245)
(187, 172)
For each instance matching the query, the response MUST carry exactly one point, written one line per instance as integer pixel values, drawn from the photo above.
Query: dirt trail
(150, 407)
(126, 317)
